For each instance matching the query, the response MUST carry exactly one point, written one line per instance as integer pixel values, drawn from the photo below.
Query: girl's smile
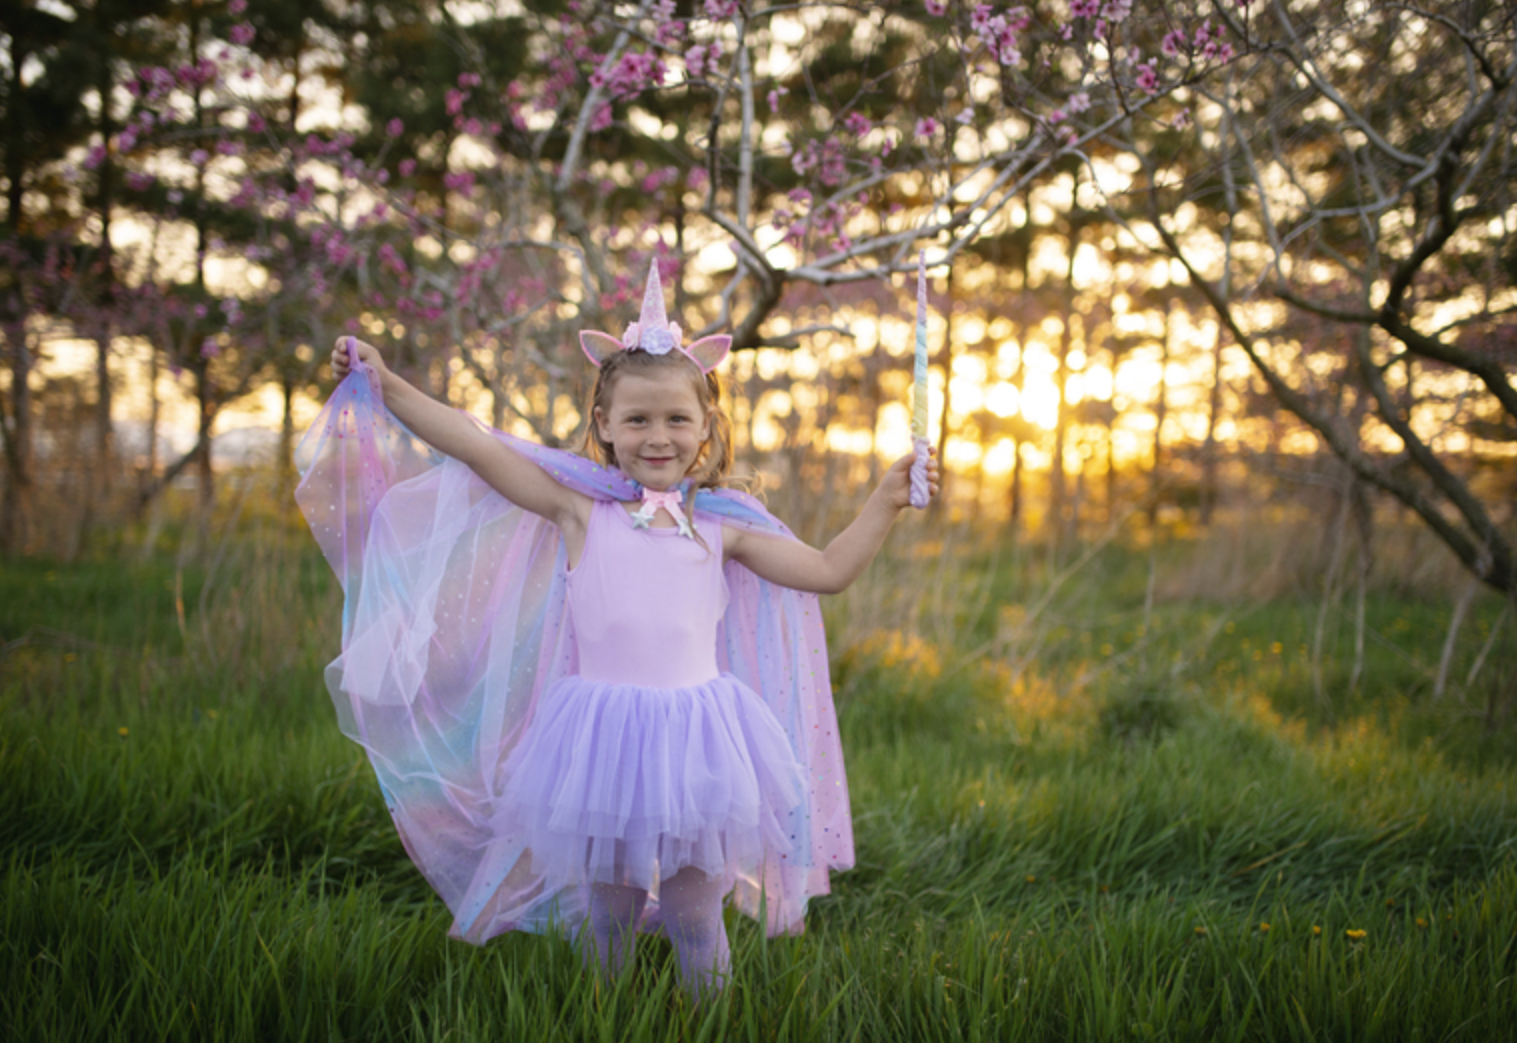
(656, 426)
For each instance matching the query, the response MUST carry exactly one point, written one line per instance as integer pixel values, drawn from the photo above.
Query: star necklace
(669, 501)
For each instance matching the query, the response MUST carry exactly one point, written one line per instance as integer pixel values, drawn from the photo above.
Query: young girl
(586, 684)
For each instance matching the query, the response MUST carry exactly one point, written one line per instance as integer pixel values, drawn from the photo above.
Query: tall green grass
(1099, 815)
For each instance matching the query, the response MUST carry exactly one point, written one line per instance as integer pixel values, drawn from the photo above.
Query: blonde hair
(713, 462)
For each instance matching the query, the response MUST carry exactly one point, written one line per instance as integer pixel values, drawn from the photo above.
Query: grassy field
(1086, 809)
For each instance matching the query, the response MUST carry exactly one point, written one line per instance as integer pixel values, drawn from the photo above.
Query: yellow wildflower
(1353, 934)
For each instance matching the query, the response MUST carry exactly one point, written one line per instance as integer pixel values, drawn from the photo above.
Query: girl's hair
(714, 460)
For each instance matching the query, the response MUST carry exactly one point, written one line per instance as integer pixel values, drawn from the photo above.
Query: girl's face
(656, 425)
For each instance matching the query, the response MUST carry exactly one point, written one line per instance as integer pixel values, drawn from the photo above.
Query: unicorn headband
(655, 334)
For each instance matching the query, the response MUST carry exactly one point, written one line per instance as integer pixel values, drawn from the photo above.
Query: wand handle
(920, 493)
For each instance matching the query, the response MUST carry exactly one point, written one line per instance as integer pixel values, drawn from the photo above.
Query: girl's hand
(368, 354)
(895, 487)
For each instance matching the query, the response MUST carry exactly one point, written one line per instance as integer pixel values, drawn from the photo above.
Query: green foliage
(192, 851)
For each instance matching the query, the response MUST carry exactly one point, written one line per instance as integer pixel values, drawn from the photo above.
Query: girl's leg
(614, 914)
(691, 905)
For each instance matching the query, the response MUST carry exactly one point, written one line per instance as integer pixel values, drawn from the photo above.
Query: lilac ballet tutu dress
(649, 760)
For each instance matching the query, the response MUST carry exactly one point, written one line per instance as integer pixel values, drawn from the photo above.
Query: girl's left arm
(791, 563)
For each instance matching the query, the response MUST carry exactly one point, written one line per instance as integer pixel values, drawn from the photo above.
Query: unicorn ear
(599, 346)
(708, 352)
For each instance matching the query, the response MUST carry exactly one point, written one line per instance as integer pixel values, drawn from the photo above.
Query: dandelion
(1264, 928)
(1031, 879)
(1390, 903)
(1276, 648)
(122, 731)
(1316, 931)
(1200, 932)
(1421, 923)
(1355, 935)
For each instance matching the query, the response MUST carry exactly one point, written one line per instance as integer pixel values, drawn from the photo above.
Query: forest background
(1221, 320)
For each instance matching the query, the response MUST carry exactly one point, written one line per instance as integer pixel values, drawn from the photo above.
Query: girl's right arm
(451, 432)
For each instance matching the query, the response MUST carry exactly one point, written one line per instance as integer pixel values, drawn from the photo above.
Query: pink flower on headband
(655, 334)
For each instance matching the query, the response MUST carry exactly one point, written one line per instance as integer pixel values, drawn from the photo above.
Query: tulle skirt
(626, 784)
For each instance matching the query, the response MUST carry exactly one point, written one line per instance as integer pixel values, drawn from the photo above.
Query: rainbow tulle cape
(454, 625)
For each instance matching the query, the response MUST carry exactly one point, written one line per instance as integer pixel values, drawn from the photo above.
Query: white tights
(691, 906)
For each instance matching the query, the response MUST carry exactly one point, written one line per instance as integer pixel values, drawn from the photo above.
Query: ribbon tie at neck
(670, 501)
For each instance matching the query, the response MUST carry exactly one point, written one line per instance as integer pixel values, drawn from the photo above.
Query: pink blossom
(209, 349)
(242, 33)
(256, 123)
(1056, 116)
(659, 178)
(1148, 78)
(858, 124)
(965, 117)
(455, 101)
(926, 127)
(799, 196)
(406, 168)
(936, 8)
(126, 141)
(395, 128)
(1116, 10)
(1203, 33)
(1217, 51)
(1174, 43)
(198, 157)
(774, 98)
(469, 79)
(461, 181)
(236, 7)
(701, 60)
(138, 181)
(833, 167)
(1084, 8)
(1181, 120)
(602, 119)
(802, 160)
(1079, 102)
(721, 9)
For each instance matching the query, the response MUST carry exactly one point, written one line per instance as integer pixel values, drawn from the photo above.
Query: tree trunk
(1161, 411)
(15, 501)
(286, 465)
(105, 200)
(1057, 493)
(1209, 449)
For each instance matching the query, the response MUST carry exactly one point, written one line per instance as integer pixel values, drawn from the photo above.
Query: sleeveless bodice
(646, 603)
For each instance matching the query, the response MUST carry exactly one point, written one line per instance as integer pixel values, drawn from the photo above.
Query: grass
(1101, 817)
